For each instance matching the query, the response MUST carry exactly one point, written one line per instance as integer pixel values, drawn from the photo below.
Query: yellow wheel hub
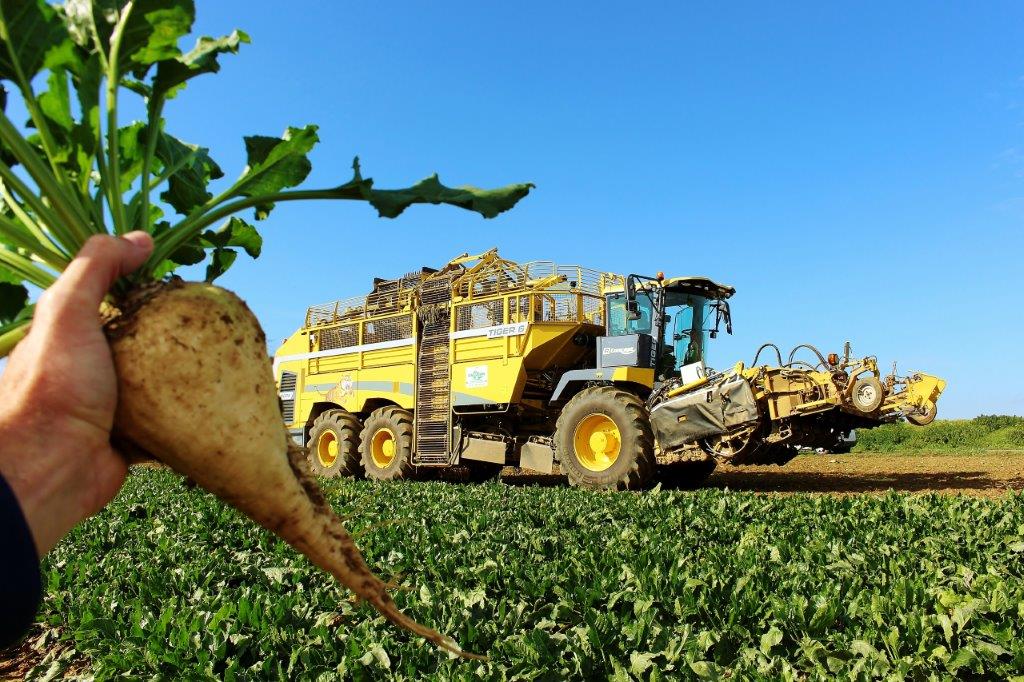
(597, 442)
(382, 447)
(327, 448)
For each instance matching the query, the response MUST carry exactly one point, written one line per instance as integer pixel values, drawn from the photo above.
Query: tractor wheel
(387, 444)
(867, 394)
(603, 439)
(334, 445)
(925, 417)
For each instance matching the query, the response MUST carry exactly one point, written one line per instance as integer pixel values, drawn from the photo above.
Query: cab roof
(701, 286)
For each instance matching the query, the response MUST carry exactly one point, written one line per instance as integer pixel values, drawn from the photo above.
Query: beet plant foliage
(555, 583)
(74, 169)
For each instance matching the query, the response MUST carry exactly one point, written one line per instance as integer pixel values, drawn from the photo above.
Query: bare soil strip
(988, 474)
(985, 475)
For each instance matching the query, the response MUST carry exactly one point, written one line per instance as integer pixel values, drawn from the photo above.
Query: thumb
(103, 258)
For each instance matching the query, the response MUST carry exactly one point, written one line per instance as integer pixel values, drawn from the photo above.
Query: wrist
(43, 470)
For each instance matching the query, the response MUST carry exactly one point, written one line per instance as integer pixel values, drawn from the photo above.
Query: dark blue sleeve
(20, 581)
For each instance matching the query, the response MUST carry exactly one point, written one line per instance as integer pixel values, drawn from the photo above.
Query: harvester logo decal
(476, 376)
(343, 390)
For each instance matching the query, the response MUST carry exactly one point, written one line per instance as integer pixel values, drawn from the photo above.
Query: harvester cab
(679, 315)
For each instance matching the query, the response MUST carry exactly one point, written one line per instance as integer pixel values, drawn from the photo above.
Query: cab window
(618, 322)
(689, 332)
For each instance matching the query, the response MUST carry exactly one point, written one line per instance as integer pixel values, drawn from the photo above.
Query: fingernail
(138, 239)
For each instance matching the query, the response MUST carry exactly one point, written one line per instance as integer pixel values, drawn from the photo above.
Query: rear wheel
(604, 440)
(867, 394)
(387, 444)
(334, 445)
(925, 416)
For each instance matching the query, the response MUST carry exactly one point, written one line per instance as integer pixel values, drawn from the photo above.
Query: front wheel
(387, 444)
(604, 440)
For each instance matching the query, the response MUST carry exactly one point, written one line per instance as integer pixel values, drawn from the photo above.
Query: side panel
(477, 348)
(619, 375)
(350, 377)
(487, 382)
(487, 365)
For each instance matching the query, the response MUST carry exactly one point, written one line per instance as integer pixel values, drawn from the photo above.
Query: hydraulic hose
(809, 347)
(778, 353)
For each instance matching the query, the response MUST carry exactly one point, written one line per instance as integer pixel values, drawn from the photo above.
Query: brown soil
(987, 474)
(17, 661)
(39, 648)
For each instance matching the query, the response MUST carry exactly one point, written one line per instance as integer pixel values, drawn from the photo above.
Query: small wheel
(868, 394)
(925, 416)
(334, 445)
(387, 444)
(603, 439)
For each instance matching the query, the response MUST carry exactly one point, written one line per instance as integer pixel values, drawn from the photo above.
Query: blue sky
(855, 173)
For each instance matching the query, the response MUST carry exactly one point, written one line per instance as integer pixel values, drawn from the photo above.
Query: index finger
(88, 278)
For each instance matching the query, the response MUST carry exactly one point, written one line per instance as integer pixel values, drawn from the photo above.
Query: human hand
(59, 394)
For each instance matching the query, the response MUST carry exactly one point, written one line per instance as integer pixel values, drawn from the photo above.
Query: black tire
(867, 394)
(387, 423)
(927, 417)
(633, 463)
(334, 445)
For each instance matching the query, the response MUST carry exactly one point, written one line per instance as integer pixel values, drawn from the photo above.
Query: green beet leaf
(84, 173)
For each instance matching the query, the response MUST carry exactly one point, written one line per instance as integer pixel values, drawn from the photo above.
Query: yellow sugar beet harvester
(487, 363)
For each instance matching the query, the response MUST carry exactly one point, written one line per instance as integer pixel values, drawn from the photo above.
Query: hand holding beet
(60, 393)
